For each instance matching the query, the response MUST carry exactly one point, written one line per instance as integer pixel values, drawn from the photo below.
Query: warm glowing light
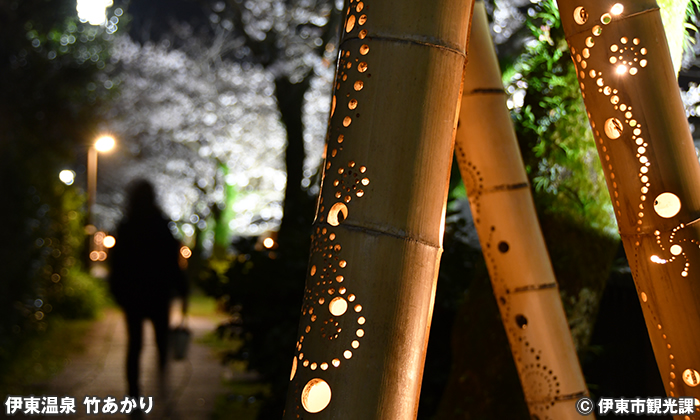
(613, 128)
(338, 306)
(337, 214)
(67, 176)
(667, 205)
(676, 249)
(268, 243)
(93, 11)
(185, 251)
(294, 369)
(101, 255)
(99, 237)
(691, 377)
(621, 69)
(109, 241)
(657, 260)
(94, 256)
(316, 395)
(105, 144)
(617, 9)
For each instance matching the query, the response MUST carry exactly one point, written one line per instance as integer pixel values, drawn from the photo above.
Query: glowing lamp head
(104, 144)
(621, 69)
(93, 11)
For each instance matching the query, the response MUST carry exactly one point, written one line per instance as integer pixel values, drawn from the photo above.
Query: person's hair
(141, 200)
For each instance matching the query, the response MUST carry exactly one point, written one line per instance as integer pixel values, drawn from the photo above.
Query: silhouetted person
(145, 275)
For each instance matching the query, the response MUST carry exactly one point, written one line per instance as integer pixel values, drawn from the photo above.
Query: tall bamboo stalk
(505, 218)
(634, 106)
(378, 230)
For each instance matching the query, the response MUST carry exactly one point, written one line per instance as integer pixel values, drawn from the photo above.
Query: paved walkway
(191, 388)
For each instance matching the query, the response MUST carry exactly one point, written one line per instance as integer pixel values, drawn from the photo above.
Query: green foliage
(38, 360)
(51, 87)
(552, 127)
(261, 289)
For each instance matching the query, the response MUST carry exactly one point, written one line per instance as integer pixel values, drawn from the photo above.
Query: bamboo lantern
(634, 106)
(514, 250)
(377, 236)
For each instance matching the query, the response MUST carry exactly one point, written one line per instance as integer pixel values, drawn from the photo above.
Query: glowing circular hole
(606, 18)
(359, 85)
(691, 377)
(355, 344)
(316, 395)
(360, 332)
(337, 214)
(644, 297)
(361, 320)
(667, 205)
(358, 308)
(580, 15)
(338, 306)
(335, 362)
(617, 9)
(676, 249)
(347, 354)
(613, 128)
(351, 23)
(597, 30)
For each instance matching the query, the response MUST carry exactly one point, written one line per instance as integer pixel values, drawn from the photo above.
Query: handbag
(180, 338)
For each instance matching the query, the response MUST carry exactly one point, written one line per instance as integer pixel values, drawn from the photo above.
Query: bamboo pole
(377, 236)
(634, 106)
(514, 249)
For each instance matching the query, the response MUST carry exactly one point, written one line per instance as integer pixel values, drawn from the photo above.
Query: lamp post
(102, 144)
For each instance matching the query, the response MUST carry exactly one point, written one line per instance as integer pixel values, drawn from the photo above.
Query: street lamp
(102, 145)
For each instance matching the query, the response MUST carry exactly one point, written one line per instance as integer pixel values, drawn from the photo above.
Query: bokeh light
(67, 176)
(93, 11)
(109, 241)
(185, 251)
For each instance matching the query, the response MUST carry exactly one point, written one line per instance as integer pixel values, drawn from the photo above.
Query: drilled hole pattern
(333, 321)
(540, 383)
(627, 56)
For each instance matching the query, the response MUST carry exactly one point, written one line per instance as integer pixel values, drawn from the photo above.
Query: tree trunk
(378, 229)
(511, 240)
(297, 204)
(629, 88)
